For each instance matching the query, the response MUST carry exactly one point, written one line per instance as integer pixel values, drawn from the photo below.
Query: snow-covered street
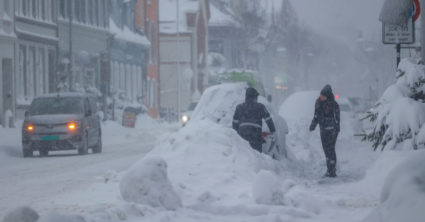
(46, 183)
(206, 172)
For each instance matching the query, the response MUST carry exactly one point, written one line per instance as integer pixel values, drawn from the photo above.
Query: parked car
(64, 121)
(186, 115)
(218, 104)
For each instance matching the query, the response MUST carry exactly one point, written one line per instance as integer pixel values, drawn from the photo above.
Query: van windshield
(51, 106)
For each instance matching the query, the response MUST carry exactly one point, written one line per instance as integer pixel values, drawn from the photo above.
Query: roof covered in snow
(168, 12)
(222, 16)
(126, 34)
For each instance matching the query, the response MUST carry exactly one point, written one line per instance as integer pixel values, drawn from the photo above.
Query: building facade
(147, 21)
(183, 53)
(7, 43)
(35, 50)
(83, 32)
(224, 34)
(128, 50)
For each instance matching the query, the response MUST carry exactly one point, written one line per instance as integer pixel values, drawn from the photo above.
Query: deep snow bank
(210, 163)
(147, 183)
(403, 194)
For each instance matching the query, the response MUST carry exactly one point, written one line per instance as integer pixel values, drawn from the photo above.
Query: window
(21, 71)
(135, 83)
(33, 9)
(122, 77)
(24, 7)
(90, 15)
(83, 11)
(6, 7)
(62, 8)
(128, 75)
(43, 9)
(96, 12)
(77, 10)
(31, 73)
(39, 75)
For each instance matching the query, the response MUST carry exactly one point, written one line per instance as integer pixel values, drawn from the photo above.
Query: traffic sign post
(401, 33)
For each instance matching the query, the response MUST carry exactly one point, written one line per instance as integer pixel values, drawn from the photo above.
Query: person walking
(327, 115)
(248, 120)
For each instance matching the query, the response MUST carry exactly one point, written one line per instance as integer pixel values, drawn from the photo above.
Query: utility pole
(178, 60)
(70, 77)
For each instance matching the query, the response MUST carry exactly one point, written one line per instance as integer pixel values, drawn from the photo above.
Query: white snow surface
(147, 183)
(403, 194)
(214, 173)
(219, 18)
(126, 34)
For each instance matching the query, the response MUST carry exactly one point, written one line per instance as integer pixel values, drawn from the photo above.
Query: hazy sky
(341, 19)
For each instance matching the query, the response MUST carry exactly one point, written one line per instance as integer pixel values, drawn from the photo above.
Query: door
(7, 87)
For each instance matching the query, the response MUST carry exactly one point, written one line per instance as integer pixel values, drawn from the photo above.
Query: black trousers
(256, 145)
(253, 136)
(328, 138)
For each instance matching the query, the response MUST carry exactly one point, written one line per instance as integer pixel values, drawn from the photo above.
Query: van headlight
(185, 118)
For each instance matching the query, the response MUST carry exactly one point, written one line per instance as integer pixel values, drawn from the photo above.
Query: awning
(396, 12)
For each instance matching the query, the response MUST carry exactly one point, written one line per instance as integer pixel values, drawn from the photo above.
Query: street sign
(399, 34)
(416, 10)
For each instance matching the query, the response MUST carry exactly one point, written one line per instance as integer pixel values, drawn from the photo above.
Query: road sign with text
(399, 34)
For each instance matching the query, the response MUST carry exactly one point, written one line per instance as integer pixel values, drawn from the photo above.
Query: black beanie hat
(251, 93)
(327, 91)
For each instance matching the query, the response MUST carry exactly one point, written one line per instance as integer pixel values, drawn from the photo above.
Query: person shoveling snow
(248, 118)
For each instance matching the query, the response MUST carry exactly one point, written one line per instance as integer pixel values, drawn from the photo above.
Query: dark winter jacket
(248, 117)
(326, 113)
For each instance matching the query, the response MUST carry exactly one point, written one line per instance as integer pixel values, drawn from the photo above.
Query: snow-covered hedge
(403, 194)
(399, 116)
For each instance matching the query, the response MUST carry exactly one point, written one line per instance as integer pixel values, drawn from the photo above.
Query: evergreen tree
(399, 116)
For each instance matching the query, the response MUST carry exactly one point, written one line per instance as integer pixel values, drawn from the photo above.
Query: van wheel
(98, 147)
(84, 150)
(44, 152)
(27, 153)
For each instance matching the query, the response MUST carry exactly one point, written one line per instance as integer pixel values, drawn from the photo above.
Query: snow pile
(206, 159)
(299, 108)
(403, 195)
(305, 146)
(21, 214)
(267, 189)
(399, 116)
(218, 103)
(147, 183)
(144, 121)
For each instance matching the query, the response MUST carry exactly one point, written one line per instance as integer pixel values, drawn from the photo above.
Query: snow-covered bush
(403, 194)
(399, 116)
(147, 183)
